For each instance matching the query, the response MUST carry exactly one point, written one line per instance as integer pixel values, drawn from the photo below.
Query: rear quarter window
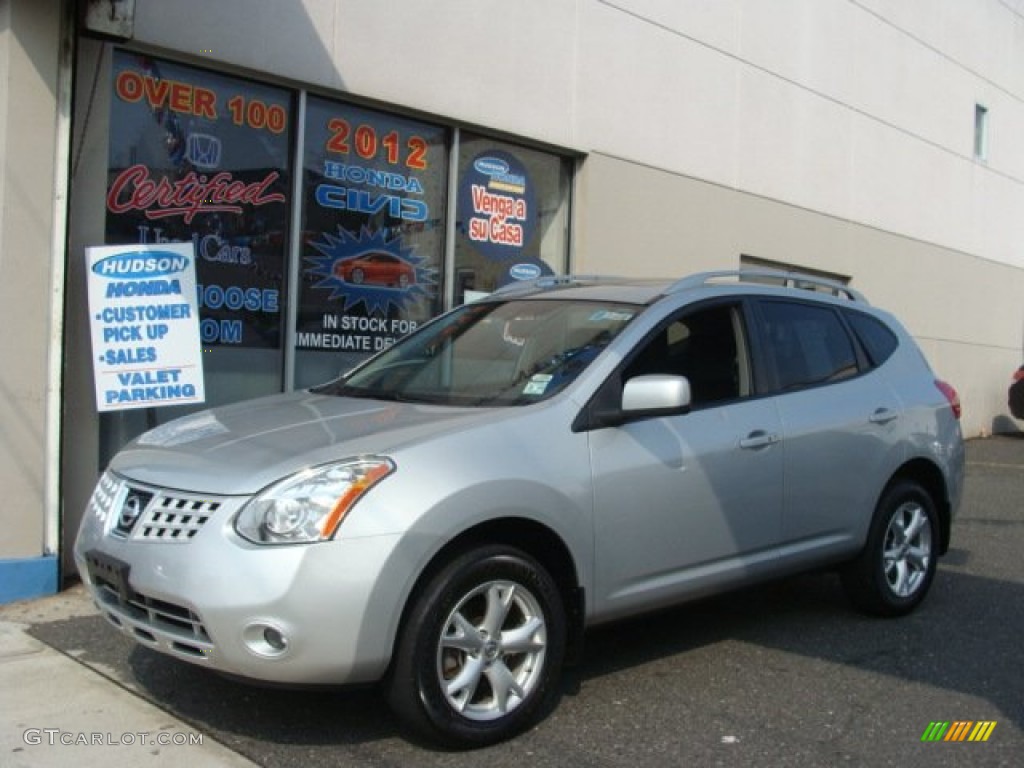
(878, 340)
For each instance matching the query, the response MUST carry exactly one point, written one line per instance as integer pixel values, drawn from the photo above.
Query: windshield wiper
(335, 389)
(388, 396)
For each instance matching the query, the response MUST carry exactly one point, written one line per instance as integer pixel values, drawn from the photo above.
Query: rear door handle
(883, 416)
(759, 439)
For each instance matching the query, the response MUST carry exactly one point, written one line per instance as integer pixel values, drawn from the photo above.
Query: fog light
(264, 639)
(275, 639)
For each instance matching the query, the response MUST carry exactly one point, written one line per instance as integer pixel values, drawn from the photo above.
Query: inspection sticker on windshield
(537, 384)
(610, 316)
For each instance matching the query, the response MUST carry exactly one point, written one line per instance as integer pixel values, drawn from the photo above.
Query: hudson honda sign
(145, 326)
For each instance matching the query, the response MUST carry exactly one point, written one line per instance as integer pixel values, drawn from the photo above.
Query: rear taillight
(951, 396)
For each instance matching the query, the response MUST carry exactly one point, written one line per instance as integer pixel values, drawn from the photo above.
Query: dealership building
(337, 172)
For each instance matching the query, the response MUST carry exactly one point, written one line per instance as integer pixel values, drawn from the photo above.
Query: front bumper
(303, 614)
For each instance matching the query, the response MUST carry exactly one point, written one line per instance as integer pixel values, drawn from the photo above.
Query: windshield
(510, 353)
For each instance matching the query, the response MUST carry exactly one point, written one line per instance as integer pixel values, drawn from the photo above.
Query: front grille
(158, 615)
(174, 518)
(109, 491)
(166, 516)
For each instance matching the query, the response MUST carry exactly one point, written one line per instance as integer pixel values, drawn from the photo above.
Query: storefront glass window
(512, 219)
(202, 157)
(372, 240)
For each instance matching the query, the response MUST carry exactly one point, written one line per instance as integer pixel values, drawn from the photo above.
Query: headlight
(310, 505)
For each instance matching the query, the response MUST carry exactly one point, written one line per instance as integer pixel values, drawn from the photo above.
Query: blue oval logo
(491, 166)
(524, 271)
(140, 265)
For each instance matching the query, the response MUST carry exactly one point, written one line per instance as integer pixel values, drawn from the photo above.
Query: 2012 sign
(367, 144)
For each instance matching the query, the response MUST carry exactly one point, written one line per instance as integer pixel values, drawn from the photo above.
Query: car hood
(242, 448)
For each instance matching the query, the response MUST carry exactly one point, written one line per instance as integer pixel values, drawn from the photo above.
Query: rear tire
(1015, 398)
(894, 571)
(480, 653)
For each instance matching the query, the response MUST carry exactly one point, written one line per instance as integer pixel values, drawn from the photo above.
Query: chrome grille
(174, 518)
(168, 516)
(109, 490)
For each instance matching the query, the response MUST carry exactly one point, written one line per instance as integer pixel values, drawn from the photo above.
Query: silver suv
(449, 517)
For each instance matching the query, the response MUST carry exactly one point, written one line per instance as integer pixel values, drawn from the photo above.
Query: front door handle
(759, 439)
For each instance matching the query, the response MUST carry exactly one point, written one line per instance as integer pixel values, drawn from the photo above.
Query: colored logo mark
(525, 271)
(959, 730)
(140, 265)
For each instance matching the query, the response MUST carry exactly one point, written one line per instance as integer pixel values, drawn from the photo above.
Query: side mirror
(643, 397)
(656, 394)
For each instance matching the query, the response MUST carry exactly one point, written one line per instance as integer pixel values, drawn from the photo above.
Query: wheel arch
(928, 475)
(529, 536)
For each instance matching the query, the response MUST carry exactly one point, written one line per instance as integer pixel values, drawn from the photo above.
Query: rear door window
(807, 344)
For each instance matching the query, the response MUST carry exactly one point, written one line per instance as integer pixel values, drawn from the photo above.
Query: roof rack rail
(786, 278)
(549, 282)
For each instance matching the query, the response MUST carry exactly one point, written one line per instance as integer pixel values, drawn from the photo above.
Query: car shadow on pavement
(964, 639)
(1004, 426)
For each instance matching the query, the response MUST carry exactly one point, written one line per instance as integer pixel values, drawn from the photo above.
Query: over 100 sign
(145, 326)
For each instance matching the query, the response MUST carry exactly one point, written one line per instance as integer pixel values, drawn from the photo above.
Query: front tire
(480, 653)
(894, 571)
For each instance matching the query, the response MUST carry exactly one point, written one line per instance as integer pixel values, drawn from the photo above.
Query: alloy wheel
(907, 549)
(491, 652)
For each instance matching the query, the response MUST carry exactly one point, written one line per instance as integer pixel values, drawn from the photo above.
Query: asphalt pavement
(785, 674)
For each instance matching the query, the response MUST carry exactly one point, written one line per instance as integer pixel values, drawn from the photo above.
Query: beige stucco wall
(29, 44)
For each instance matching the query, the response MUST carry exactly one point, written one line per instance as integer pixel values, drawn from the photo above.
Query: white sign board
(144, 315)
